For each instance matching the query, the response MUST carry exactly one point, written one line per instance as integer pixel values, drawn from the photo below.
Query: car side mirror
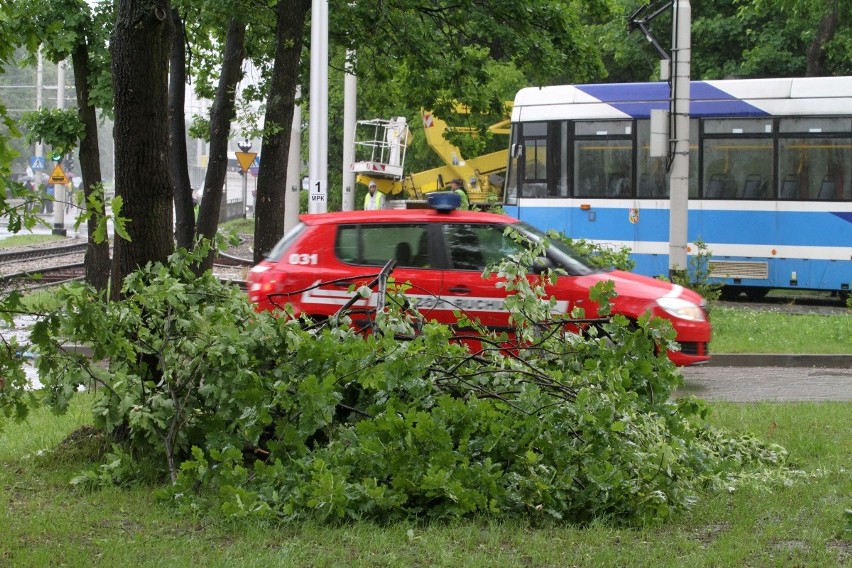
(541, 265)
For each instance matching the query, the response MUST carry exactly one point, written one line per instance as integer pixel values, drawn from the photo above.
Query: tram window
(541, 162)
(603, 169)
(528, 164)
(534, 173)
(815, 125)
(737, 159)
(603, 128)
(560, 144)
(603, 159)
(535, 154)
(738, 126)
(652, 171)
(816, 167)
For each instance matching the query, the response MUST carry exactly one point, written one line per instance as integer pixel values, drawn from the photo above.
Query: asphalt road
(778, 378)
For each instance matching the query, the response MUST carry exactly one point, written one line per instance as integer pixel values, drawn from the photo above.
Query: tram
(770, 187)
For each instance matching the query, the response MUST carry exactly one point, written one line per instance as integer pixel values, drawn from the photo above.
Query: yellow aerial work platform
(380, 147)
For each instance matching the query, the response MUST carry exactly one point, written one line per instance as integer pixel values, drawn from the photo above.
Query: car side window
(374, 245)
(473, 246)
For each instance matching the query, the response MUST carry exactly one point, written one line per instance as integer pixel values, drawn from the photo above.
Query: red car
(443, 252)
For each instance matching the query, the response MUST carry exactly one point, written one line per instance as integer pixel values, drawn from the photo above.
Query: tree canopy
(407, 55)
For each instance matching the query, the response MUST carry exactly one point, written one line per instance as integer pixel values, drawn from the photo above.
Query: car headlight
(680, 308)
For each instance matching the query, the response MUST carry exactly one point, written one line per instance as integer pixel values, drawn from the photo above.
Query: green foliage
(601, 255)
(257, 414)
(697, 276)
(59, 128)
(199, 128)
(97, 202)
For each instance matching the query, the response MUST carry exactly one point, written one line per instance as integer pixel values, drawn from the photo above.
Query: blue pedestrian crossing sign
(37, 163)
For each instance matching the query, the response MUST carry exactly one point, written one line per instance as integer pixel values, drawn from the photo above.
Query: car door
(366, 248)
(469, 248)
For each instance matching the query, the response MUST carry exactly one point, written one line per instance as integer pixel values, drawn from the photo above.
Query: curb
(780, 360)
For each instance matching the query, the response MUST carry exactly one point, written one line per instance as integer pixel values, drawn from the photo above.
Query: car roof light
(443, 201)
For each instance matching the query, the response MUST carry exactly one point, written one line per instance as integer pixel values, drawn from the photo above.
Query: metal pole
(294, 169)
(59, 189)
(318, 152)
(324, 105)
(679, 181)
(245, 194)
(39, 148)
(350, 94)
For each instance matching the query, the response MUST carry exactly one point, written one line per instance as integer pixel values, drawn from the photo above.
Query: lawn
(46, 521)
(744, 330)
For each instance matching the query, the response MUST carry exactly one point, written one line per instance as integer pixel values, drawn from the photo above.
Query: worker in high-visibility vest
(457, 185)
(374, 199)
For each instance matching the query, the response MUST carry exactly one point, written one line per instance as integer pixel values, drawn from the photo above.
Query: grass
(238, 226)
(24, 240)
(47, 522)
(742, 330)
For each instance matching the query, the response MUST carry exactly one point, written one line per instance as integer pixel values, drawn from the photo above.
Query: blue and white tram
(770, 188)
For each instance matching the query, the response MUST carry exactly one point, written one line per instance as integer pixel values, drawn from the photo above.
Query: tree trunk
(184, 209)
(96, 261)
(140, 44)
(271, 180)
(825, 33)
(221, 114)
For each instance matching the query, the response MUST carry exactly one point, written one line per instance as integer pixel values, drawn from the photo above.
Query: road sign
(246, 159)
(37, 162)
(57, 177)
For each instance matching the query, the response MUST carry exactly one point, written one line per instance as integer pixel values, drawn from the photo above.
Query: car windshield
(558, 252)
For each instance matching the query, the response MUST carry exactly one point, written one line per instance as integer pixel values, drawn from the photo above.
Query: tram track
(30, 254)
(41, 267)
(778, 301)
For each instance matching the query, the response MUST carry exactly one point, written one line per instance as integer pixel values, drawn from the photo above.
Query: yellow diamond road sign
(245, 159)
(58, 176)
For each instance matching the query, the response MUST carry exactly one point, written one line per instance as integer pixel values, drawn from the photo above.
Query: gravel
(244, 250)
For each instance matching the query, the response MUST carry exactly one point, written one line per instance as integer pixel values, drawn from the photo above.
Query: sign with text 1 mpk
(317, 196)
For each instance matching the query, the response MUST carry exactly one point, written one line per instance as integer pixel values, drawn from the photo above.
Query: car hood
(637, 293)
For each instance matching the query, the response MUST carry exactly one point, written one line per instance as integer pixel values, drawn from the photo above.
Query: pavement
(755, 377)
(840, 361)
(47, 225)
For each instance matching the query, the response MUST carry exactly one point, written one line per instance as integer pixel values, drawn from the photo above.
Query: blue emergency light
(443, 201)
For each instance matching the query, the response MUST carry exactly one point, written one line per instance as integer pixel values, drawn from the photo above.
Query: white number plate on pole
(318, 196)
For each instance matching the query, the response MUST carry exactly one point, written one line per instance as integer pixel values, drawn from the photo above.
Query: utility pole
(294, 169)
(318, 152)
(674, 124)
(39, 147)
(350, 94)
(679, 178)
